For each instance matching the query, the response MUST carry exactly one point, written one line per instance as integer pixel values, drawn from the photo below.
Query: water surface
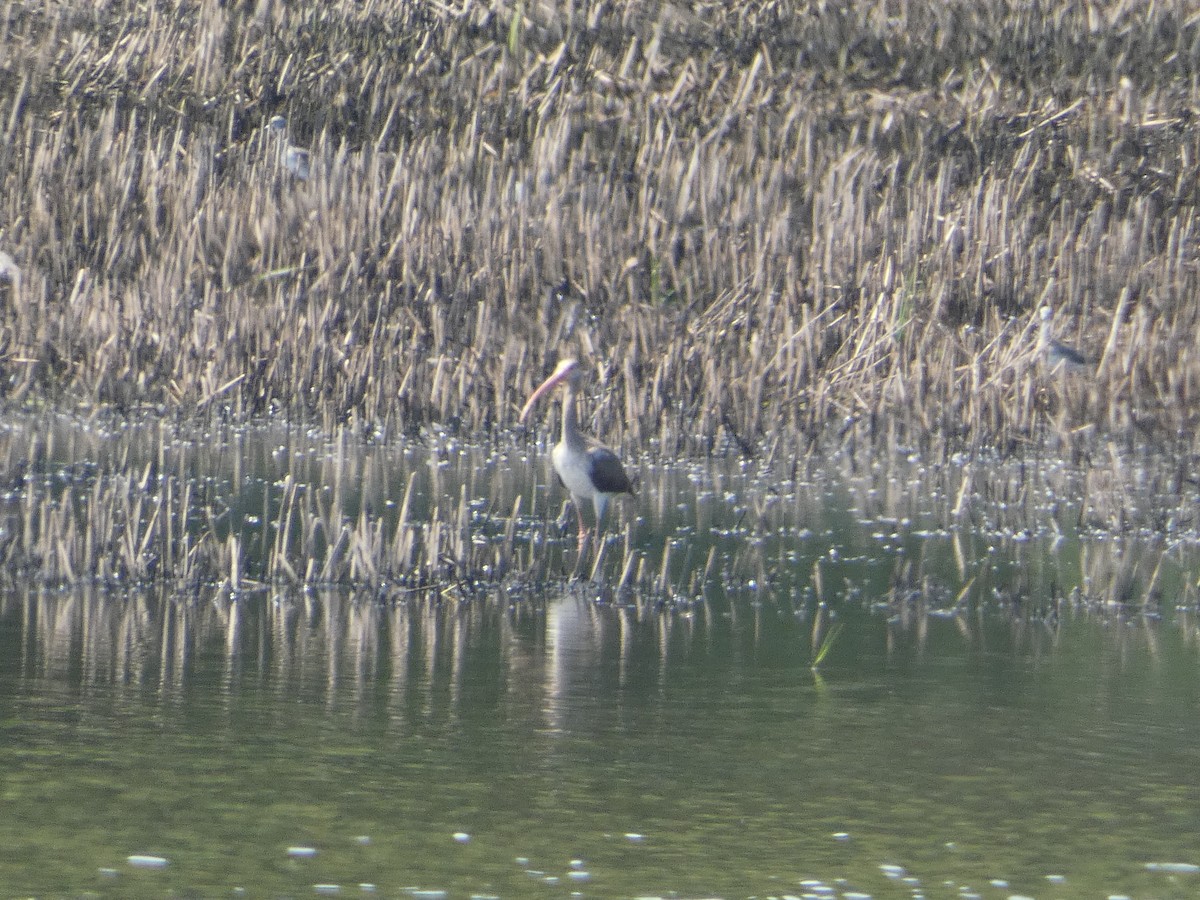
(1009, 707)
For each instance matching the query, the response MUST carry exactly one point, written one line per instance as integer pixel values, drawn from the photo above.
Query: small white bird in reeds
(9, 271)
(293, 159)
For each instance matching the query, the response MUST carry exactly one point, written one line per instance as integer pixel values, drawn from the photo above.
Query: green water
(550, 732)
(531, 742)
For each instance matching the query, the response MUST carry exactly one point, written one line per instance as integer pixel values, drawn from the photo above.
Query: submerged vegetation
(225, 511)
(760, 219)
(768, 226)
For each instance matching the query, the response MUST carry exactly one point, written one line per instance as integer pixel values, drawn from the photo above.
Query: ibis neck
(571, 438)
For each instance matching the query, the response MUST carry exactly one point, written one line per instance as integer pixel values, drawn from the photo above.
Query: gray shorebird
(1059, 357)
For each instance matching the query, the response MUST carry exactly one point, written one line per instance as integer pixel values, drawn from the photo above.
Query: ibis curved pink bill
(587, 470)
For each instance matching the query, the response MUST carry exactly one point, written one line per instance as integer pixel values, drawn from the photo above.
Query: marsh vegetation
(760, 219)
(771, 228)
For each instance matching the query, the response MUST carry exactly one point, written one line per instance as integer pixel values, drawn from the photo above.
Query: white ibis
(1059, 356)
(586, 469)
(293, 159)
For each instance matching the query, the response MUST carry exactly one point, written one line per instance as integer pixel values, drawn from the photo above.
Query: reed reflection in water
(338, 646)
(217, 732)
(342, 645)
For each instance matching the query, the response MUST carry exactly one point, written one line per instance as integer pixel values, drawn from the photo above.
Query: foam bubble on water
(814, 888)
(1173, 868)
(141, 861)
